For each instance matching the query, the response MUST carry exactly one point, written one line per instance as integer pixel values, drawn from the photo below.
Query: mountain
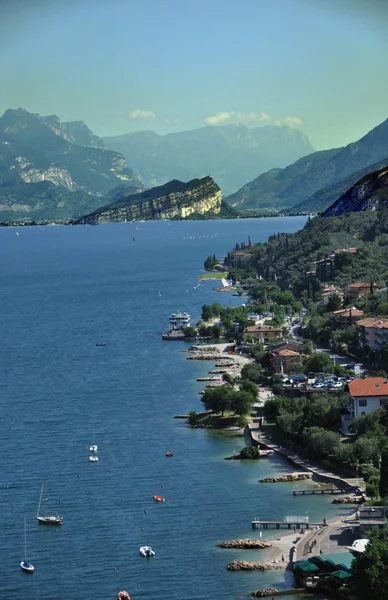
(173, 200)
(326, 196)
(282, 187)
(370, 193)
(321, 176)
(232, 154)
(36, 150)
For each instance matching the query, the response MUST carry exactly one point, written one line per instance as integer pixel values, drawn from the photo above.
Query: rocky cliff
(370, 193)
(172, 200)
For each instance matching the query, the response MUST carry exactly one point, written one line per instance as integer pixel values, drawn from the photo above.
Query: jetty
(288, 523)
(317, 492)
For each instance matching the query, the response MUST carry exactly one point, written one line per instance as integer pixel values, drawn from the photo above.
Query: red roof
(347, 312)
(375, 322)
(362, 285)
(373, 386)
(259, 328)
(285, 353)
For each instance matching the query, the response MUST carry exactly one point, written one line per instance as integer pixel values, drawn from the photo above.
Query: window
(383, 401)
(362, 403)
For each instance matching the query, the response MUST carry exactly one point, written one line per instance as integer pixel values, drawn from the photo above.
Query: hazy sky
(169, 65)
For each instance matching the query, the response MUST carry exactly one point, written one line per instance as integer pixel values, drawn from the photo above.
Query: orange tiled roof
(258, 328)
(346, 312)
(375, 322)
(285, 353)
(373, 386)
(363, 284)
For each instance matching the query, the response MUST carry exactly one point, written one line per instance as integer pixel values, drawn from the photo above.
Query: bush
(250, 452)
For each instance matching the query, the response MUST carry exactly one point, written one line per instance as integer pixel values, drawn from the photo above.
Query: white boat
(46, 519)
(147, 551)
(93, 458)
(25, 565)
(93, 448)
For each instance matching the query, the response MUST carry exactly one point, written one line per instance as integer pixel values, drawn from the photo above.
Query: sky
(171, 65)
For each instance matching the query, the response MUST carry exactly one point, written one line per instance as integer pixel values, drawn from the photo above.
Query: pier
(314, 492)
(287, 524)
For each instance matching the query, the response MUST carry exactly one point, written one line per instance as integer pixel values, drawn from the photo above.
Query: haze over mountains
(230, 154)
(314, 182)
(53, 170)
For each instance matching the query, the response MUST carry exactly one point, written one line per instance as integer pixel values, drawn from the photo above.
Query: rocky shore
(245, 543)
(349, 500)
(286, 478)
(243, 565)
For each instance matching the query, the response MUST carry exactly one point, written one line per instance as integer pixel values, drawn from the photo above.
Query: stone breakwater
(264, 593)
(287, 478)
(248, 544)
(243, 565)
(349, 500)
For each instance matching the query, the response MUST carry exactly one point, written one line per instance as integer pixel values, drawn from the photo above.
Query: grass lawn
(214, 275)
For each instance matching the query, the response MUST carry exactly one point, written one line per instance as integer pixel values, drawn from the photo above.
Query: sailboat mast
(25, 540)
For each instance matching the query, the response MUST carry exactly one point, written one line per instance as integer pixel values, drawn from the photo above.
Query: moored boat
(147, 551)
(93, 458)
(169, 454)
(159, 498)
(46, 519)
(123, 595)
(25, 565)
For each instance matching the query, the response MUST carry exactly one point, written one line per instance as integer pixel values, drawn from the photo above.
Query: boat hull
(159, 498)
(50, 520)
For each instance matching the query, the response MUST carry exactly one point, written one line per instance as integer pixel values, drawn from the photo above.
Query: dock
(314, 492)
(286, 524)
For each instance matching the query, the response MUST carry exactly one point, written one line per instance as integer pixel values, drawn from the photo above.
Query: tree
(210, 262)
(253, 372)
(371, 570)
(216, 331)
(217, 399)
(250, 452)
(192, 418)
(334, 303)
(250, 387)
(384, 473)
(274, 407)
(189, 332)
(320, 362)
(241, 402)
(227, 377)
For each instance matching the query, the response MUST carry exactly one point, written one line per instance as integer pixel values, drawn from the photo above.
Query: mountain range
(370, 193)
(50, 169)
(315, 181)
(231, 154)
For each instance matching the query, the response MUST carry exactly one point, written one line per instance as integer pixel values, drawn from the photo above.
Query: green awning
(341, 575)
(334, 562)
(306, 566)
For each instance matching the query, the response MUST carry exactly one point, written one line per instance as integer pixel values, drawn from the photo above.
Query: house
(282, 360)
(373, 332)
(348, 316)
(361, 289)
(365, 396)
(328, 292)
(262, 333)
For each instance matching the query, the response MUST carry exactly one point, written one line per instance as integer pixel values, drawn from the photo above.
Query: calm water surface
(62, 291)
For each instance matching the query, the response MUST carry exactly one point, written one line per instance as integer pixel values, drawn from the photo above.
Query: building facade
(373, 332)
(262, 333)
(365, 396)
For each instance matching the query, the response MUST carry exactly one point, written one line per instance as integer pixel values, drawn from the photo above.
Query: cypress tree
(383, 486)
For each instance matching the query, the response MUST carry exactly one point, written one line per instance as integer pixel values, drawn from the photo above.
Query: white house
(365, 396)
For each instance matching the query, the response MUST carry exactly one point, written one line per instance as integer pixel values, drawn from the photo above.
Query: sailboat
(45, 519)
(93, 448)
(25, 565)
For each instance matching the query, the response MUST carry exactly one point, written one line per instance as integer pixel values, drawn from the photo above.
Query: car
(299, 379)
(318, 385)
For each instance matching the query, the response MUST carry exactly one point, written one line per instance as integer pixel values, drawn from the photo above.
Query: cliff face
(370, 193)
(172, 200)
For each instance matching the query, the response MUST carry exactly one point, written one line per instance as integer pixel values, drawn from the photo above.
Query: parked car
(299, 379)
(318, 385)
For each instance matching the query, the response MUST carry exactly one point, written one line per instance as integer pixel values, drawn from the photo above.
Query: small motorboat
(93, 458)
(159, 498)
(169, 454)
(93, 448)
(100, 344)
(123, 595)
(147, 551)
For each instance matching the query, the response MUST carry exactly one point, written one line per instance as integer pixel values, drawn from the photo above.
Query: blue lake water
(64, 289)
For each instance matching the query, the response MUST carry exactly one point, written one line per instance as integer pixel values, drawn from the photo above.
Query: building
(361, 289)
(348, 316)
(365, 396)
(286, 345)
(262, 333)
(328, 292)
(373, 332)
(282, 360)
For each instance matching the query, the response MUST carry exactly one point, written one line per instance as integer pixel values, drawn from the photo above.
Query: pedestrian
(282, 557)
